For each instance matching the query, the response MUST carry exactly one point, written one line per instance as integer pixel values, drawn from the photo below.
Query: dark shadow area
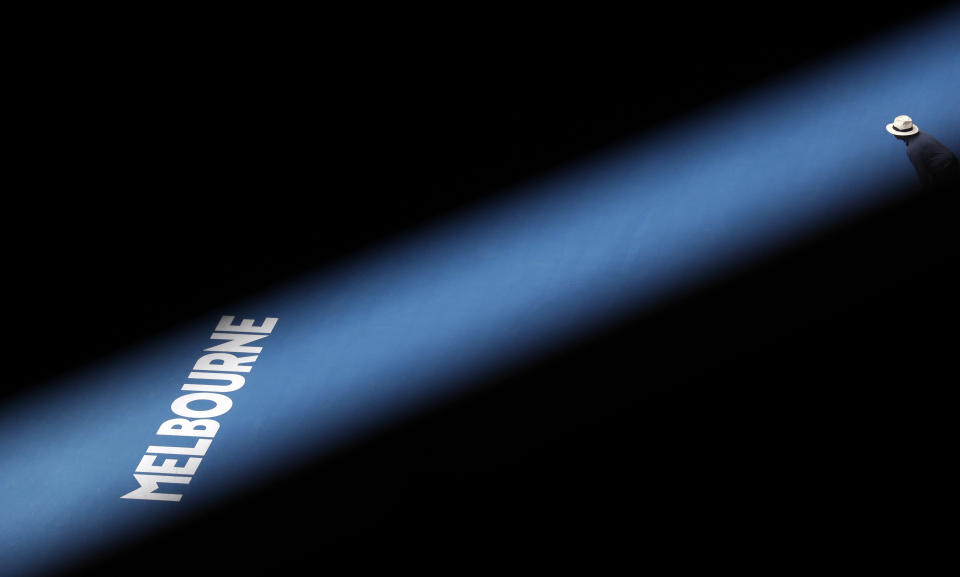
(803, 399)
(165, 177)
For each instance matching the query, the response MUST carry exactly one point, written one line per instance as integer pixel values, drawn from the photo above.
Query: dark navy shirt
(928, 155)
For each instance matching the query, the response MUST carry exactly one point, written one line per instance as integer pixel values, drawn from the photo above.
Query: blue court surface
(405, 325)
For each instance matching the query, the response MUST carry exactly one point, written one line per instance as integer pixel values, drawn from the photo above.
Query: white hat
(902, 126)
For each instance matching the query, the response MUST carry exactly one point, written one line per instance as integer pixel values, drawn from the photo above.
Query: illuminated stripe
(415, 320)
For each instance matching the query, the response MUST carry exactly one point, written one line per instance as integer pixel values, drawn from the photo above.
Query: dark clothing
(948, 178)
(936, 165)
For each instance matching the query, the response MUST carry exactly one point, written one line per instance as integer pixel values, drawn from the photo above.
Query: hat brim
(898, 133)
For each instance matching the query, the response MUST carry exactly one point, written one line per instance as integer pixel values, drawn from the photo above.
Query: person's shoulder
(927, 137)
(923, 140)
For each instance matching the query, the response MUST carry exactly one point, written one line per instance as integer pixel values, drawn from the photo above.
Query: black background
(797, 407)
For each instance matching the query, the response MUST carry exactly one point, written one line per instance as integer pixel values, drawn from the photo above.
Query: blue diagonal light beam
(413, 321)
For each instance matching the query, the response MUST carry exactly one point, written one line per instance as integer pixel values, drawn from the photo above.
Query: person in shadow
(936, 165)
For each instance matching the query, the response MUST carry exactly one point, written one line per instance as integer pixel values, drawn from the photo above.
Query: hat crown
(903, 122)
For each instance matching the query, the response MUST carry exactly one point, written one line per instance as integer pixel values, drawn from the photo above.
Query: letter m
(148, 484)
